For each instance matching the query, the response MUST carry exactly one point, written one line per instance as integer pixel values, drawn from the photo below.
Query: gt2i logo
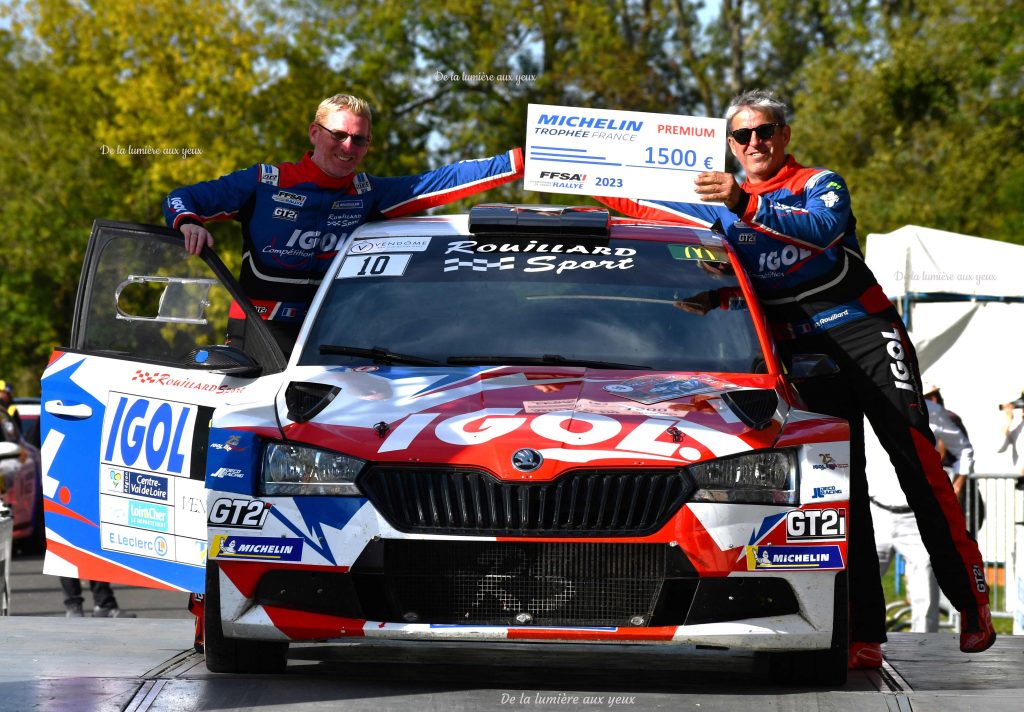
(816, 524)
(898, 353)
(286, 214)
(242, 513)
(786, 257)
(979, 578)
(150, 434)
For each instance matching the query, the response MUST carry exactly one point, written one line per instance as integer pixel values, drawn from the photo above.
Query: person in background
(7, 403)
(794, 230)
(103, 599)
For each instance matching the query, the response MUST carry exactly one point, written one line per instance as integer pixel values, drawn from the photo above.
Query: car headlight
(768, 476)
(290, 469)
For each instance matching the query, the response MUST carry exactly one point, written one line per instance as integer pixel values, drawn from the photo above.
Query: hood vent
(306, 400)
(754, 407)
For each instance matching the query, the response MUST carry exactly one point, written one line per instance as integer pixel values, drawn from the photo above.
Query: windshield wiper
(545, 360)
(378, 355)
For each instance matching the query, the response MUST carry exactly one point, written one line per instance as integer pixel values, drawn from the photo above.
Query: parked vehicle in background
(28, 410)
(21, 482)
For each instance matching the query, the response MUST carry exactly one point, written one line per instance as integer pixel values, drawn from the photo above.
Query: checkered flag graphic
(479, 264)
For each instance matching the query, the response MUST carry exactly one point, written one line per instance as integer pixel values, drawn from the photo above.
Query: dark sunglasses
(764, 132)
(340, 136)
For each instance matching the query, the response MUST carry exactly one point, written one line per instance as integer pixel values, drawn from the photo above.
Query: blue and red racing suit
(295, 217)
(796, 236)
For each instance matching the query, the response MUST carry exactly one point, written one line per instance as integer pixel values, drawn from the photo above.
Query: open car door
(126, 408)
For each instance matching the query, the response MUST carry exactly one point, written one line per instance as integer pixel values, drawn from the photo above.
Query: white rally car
(519, 424)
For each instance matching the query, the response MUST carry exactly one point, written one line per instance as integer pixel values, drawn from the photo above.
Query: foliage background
(918, 105)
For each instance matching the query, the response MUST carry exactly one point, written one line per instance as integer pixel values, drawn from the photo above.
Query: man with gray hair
(295, 216)
(794, 230)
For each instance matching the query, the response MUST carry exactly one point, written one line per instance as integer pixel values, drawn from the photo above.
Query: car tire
(234, 655)
(819, 667)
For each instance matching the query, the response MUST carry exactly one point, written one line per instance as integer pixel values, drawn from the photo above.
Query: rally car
(524, 423)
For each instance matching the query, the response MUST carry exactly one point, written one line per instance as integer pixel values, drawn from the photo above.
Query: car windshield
(575, 301)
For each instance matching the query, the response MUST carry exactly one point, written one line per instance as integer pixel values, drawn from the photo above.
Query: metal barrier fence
(995, 508)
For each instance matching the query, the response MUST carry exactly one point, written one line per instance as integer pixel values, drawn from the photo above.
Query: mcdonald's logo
(696, 252)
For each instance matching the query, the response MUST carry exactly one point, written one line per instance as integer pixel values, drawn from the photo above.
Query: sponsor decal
(390, 244)
(578, 121)
(259, 548)
(269, 174)
(242, 513)
(346, 204)
(563, 176)
(830, 199)
(285, 214)
(344, 220)
(139, 484)
(135, 541)
(793, 558)
(829, 463)
(147, 515)
(283, 196)
(147, 433)
(830, 318)
(786, 257)
(897, 351)
(654, 389)
(697, 252)
(473, 247)
(177, 205)
(229, 445)
(361, 183)
(303, 241)
(816, 524)
(488, 424)
(165, 379)
(827, 491)
(228, 472)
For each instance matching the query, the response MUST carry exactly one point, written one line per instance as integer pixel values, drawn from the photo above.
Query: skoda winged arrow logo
(526, 460)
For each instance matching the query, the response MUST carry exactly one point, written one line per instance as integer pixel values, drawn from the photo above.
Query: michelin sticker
(793, 558)
(258, 548)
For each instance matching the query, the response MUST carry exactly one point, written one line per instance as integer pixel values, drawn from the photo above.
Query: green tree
(922, 113)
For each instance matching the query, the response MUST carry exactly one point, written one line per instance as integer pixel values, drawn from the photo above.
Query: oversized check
(627, 154)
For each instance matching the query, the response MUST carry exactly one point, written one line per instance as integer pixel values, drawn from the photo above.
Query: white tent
(963, 300)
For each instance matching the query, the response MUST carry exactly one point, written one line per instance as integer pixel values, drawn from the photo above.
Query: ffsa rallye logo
(557, 179)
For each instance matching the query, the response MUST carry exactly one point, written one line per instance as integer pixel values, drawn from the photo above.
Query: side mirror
(807, 366)
(229, 360)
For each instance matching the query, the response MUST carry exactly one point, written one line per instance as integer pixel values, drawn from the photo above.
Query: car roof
(458, 225)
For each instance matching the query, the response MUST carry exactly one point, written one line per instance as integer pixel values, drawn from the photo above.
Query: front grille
(438, 500)
(523, 583)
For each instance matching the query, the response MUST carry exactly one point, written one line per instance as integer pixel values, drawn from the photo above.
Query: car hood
(570, 417)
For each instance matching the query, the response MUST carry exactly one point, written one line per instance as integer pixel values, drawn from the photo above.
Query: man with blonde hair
(295, 216)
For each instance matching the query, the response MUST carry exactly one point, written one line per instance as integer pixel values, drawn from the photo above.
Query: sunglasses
(764, 132)
(340, 136)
